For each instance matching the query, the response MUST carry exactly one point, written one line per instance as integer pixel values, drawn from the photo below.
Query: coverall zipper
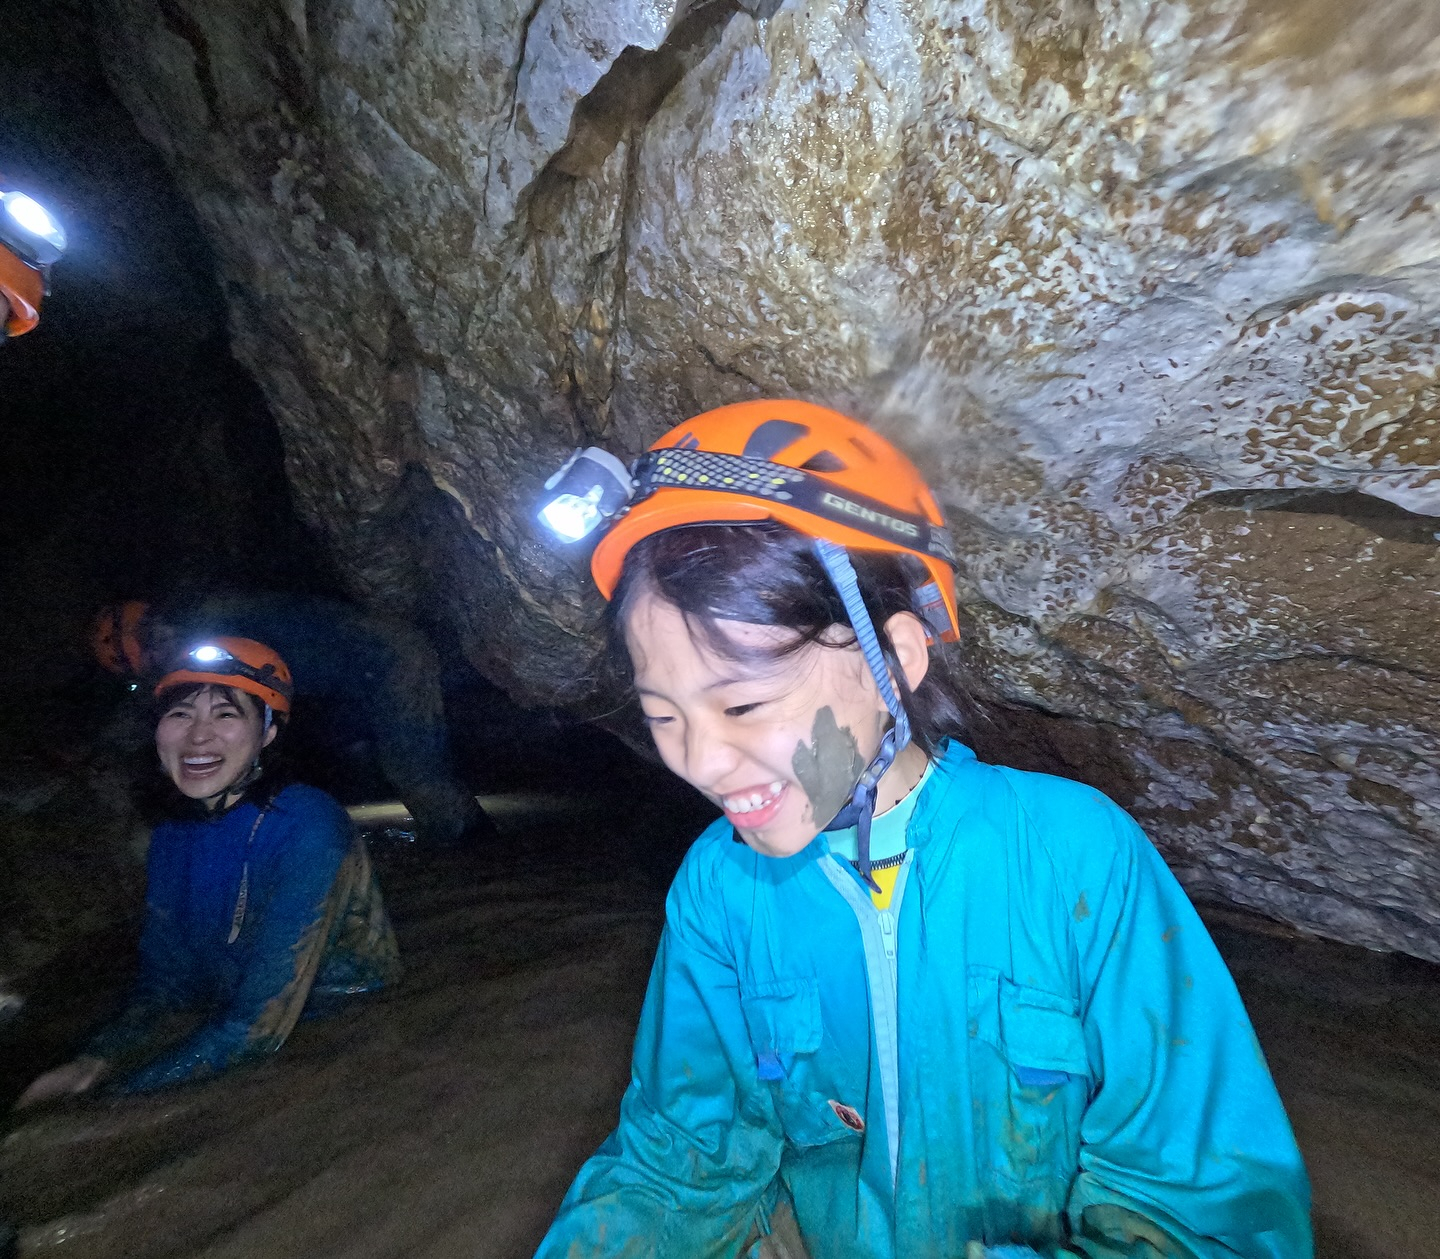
(878, 933)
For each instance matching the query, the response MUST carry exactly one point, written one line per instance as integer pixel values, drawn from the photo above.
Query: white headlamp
(30, 230)
(593, 486)
(208, 653)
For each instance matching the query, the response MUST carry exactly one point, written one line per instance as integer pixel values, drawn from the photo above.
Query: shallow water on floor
(447, 1118)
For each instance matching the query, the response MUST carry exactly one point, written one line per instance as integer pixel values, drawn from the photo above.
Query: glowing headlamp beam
(591, 487)
(32, 216)
(570, 517)
(28, 227)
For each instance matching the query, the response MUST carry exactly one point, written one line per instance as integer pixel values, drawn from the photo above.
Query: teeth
(754, 800)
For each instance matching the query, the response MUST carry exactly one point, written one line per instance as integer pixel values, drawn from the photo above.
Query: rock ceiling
(1148, 287)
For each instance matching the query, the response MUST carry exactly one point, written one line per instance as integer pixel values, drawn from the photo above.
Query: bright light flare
(571, 516)
(33, 216)
(32, 228)
(591, 487)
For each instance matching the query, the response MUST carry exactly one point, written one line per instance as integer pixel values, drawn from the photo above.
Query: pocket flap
(1041, 1031)
(783, 1017)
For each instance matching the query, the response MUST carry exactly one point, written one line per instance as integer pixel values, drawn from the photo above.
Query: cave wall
(1149, 287)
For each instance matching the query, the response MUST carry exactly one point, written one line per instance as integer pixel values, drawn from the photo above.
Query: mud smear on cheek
(828, 767)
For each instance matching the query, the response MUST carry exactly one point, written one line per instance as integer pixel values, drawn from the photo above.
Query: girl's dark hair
(769, 574)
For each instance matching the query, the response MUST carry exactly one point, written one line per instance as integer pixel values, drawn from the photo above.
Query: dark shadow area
(1352, 1038)
(1382, 517)
(633, 88)
(136, 457)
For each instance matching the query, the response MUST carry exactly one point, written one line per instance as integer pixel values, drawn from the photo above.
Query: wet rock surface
(1148, 286)
(446, 1117)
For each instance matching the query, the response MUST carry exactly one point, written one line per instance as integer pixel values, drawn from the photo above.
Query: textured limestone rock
(1151, 286)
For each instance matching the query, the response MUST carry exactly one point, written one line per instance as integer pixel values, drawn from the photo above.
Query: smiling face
(778, 744)
(208, 740)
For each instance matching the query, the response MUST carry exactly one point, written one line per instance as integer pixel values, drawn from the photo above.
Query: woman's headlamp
(593, 486)
(212, 658)
(238, 662)
(29, 230)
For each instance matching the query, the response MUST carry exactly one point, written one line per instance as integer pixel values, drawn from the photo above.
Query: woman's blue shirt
(310, 922)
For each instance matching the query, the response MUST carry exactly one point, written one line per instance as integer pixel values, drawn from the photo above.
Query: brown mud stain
(829, 766)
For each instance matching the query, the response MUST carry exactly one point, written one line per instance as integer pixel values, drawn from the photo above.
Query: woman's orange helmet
(814, 469)
(22, 287)
(117, 637)
(239, 662)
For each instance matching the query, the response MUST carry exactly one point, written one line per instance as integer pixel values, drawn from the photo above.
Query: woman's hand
(73, 1077)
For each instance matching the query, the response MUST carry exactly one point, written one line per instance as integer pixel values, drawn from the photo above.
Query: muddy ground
(446, 1119)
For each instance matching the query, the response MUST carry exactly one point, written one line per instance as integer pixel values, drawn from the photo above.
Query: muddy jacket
(309, 924)
(1037, 1043)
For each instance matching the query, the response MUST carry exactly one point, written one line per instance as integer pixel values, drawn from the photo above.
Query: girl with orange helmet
(261, 903)
(905, 1003)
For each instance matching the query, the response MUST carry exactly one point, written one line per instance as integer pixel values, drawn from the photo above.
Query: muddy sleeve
(684, 1172)
(166, 981)
(294, 903)
(1185, 1148)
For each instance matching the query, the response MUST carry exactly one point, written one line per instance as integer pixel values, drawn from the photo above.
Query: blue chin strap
(861, 810)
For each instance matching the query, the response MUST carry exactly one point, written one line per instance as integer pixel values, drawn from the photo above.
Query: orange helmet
(21, 287)
(239, 662)
(818, 471)
(117, 636)
(31, 242)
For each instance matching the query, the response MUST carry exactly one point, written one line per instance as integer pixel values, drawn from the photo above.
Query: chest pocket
(785, 1028)
(1031, 1078)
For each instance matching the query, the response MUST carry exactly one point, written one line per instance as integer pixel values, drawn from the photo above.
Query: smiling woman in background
(260, 901)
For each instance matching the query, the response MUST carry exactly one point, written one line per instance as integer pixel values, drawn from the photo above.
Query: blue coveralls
(310, 927)
(385, 672)
(1038, 1038)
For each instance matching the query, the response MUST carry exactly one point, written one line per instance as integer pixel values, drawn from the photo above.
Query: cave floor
(447, 1118)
